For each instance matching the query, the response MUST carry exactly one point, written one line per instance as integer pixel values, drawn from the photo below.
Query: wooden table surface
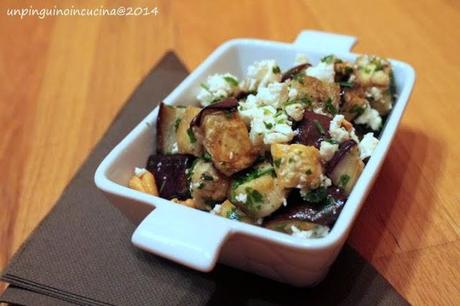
(63, 79)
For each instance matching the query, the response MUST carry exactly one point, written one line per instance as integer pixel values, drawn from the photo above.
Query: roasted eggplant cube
(170, 174)
(313, 129)
(297, 165)
(187, 141)
(169, 118)
(207, 185)
(304, 215)
(258, 192)
(346, 166)
(226, 138)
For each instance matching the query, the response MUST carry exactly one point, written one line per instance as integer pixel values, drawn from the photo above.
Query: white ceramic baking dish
(198, 239)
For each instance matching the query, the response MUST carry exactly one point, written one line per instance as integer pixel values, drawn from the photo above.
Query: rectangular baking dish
(198, 239)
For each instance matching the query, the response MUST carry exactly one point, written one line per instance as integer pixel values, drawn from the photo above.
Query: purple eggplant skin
(344, 148)
(170, 174)
(312, 129)
(228, 104)
(325, 213)
(293, 71)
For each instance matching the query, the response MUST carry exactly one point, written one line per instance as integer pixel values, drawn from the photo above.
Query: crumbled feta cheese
(260, 74)
(216, 87)
(241, 197)
(139, 171)
(318, 231)
(327, 150)
(374, 93)
(216, 210)
(293, 92)
(267, 126)
(275, 94)
(325, 181)
(367, 145)
(300, 59)
(339, 133)
(319, 110)
(284, 202)
(175, 148)
(371, 118)
(260, 221)
(295, 111)
(322, 71)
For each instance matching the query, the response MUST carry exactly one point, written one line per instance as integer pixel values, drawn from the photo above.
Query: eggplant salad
(277, 149)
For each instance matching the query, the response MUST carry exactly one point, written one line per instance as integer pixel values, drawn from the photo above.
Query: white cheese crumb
(267, 126)
(284, 202)
(318, 231)
(275, 94)
(374, 93)
(216, 210)
(175, 148)
(217, 87)
(322, 71)
(241, 197)
(325, 181)
(327, 150)
(293, 93)
(371, 118)
(300, 59)
(139, 171)
(337, 132)
(260, 74)
(367, 145)
(295, 111)
(260, 221)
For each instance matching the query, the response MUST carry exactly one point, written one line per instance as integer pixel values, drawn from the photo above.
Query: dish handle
(168, 232)
(325, 41)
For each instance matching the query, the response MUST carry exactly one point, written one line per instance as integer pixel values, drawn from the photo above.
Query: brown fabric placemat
(81, 253)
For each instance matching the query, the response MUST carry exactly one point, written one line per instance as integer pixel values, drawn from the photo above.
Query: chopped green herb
(306, 101)
(330, 107)
(266, 112)
(290, 160)
(276, 69)
(231, 80)
(207, 156)
(346, 84)
(176, 124)
(280, 121)
(268, 125)
(200, 185)
(251, 175)
(191, 135)
(319, 127)
(278, 113)
(299, 77)
(204, 86)
(328, 59)
(228, 114)
(253, 197)
(358, 110)
(344, 179)
(308, 172)
(330, 140)
(206, 177)
(277, 162)
(233, 214)
(316, 195)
